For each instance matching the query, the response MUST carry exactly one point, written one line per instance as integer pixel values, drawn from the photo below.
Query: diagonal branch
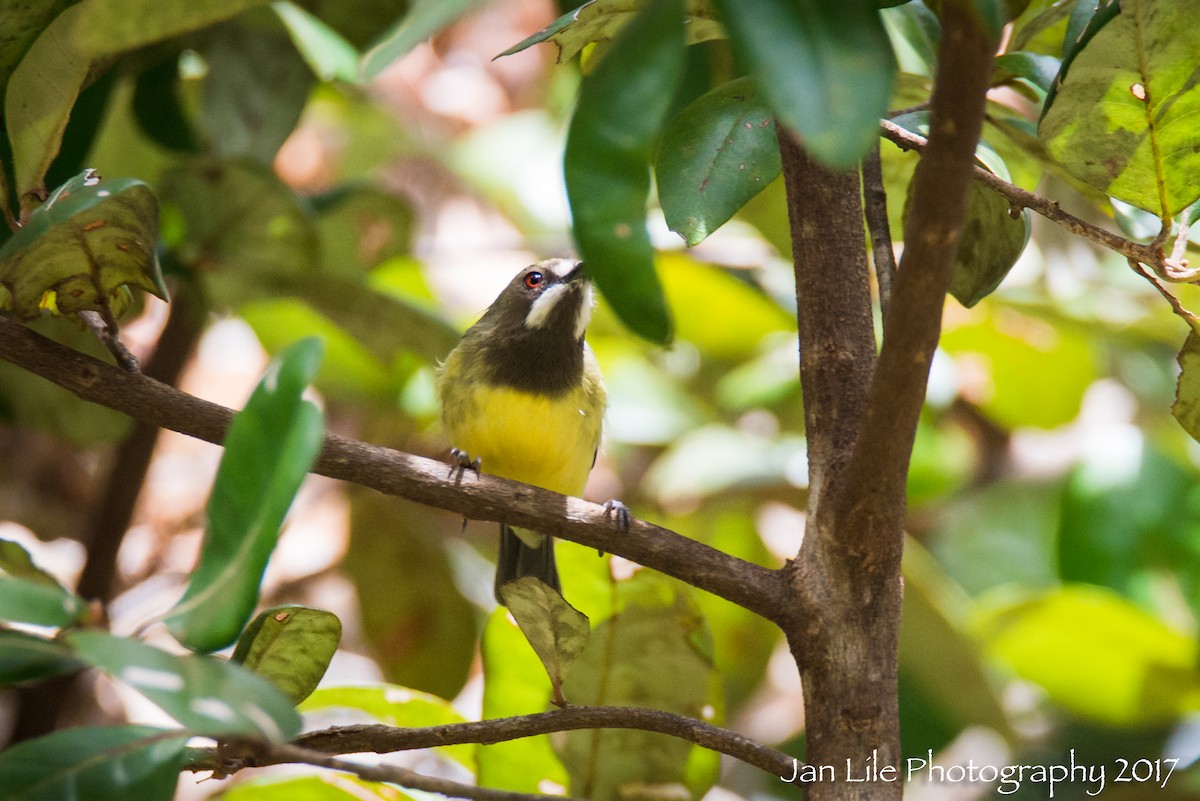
(381, 739)
(479, 497)
(1167, 267)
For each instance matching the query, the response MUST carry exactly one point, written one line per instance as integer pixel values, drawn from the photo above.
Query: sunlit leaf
(914, 31)
(290, 645)
(394, 706)
(515, 683)
(269, 449)
(715, 155)
(1096, 655)
(94, 764)
(1123, 117)
(1022, 371)
(825, 69)
(602, 21)
(655, 652)
(25, 656)
(82, 249)
(557, 631)
(327, 53)
(424, 19)
(208, 696)
(622, 108)
(76, 46)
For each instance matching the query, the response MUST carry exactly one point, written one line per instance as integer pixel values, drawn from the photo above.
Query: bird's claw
(461, 461)
(620, 514)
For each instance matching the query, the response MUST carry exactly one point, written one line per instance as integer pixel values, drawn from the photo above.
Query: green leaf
(21, 24)
(94, 764)
(654, 652)
(290, 645)
(914, 32)
(1186, 408)
(208, 696)
(421, 630)
(825, 69)
(424, 19)
(25, 656)
(240, 227)
(159, 109)
(255, 89)
(622, 108)
(557, 631)
(992, 239)
(515, 683)
(77, 46)
(1026, 372)
(269, 449)
(1096, 655)
(329, 55)
(1036, 69)
(1123, 117)
(715, 155)
(395, 706)
(30, 595)
(82, 248)
(938, 659)
(603, 20)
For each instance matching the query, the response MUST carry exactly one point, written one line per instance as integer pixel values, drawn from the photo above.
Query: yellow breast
(549, 442)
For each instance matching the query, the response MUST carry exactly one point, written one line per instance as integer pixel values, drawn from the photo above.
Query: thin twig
(875, 209)
(106, 332)
(1192, 320)
(433, 483)
(1150, 255)
(386, 739)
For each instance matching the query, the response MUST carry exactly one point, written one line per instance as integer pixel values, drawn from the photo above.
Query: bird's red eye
(533, 280)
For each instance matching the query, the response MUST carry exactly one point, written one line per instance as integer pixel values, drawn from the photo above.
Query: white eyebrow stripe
(541, 309)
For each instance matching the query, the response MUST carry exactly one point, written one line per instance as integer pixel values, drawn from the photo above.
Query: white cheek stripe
(585, 312)
(540, 311)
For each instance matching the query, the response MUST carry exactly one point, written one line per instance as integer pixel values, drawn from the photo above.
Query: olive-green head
(531, 337)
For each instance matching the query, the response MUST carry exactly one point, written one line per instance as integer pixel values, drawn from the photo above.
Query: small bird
(522, 398)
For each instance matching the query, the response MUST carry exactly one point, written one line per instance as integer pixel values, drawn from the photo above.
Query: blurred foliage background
(1053, 566)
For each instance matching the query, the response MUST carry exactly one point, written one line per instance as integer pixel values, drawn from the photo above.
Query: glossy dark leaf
(622, 108)
(82, 249)
(825, 69)
(94, 764)
(715, 155)
(26, 656)
(207, 695)
(291, 646)
(269, 449)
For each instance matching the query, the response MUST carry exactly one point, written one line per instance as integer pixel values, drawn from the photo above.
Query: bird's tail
(519, 559)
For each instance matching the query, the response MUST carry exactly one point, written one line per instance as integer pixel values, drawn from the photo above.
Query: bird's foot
(462, 461)
(620, 514)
